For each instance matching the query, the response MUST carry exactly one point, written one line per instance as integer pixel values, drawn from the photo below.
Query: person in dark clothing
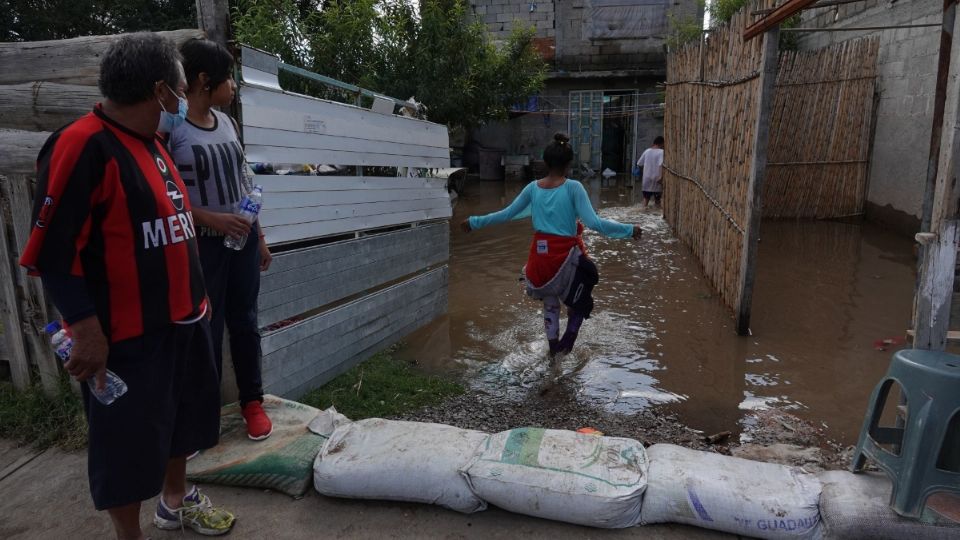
(207, 151)
(114, 242)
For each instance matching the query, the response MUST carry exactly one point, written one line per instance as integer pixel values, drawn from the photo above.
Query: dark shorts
(171, 409)
(655, 195)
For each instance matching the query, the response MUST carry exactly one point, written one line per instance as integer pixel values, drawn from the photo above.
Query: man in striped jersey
(114, 242)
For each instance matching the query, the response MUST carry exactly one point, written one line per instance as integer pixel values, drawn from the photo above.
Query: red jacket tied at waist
(548, 253)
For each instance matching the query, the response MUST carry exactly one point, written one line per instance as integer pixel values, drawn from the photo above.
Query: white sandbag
(739, 496)
(856, 506)
(399, 461)
(562, 475)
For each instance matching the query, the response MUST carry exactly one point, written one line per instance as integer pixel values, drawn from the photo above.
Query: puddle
(660, 338)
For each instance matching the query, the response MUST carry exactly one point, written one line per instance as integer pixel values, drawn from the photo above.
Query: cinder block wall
(906, 84)
(499, 16)
(571, 24)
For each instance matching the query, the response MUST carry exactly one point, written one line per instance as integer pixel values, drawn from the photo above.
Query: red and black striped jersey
(111, 208)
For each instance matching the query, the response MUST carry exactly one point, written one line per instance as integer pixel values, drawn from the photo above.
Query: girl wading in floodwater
(558, 269)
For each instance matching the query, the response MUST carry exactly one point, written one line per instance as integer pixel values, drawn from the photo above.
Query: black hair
(205, 56)
(658, 141)
(134, 63)
(558, 154)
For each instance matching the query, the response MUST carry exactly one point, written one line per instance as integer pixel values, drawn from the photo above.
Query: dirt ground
(775, 436)
(44, 495)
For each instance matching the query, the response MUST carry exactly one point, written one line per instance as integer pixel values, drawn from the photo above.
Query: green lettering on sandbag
(523, 447)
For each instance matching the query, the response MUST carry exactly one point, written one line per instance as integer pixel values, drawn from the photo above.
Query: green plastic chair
(929, 441)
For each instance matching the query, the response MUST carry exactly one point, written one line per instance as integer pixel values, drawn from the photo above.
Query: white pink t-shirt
(652, 160)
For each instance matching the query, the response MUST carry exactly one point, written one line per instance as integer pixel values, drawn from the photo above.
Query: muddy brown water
(660, 338)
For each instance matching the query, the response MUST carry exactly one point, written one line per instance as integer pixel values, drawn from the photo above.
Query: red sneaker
(259, 426)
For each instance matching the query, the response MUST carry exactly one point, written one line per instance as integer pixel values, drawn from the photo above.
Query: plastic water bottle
(63, 344)
(248, 209)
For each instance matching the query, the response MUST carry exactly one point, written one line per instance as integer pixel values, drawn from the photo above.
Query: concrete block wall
(568, 21)
(906, 85)
(500, 16)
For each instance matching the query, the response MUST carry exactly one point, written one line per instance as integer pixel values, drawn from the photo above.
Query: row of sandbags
(560, 475)
(584, 479)
(608, 482)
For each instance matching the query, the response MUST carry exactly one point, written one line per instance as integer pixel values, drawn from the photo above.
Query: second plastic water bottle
(63, 344)
(248, 209)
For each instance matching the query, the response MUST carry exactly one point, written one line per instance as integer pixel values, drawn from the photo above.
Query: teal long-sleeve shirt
(555, 211)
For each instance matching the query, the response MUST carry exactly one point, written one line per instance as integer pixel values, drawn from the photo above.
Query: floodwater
(826, 295)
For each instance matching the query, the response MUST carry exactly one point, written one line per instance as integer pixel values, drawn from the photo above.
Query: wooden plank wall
(819, 152)
(328, 306)
(64, 61)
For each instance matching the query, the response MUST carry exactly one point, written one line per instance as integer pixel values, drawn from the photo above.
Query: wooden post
(12, 327)
(33, 305)
(773, 19)
(939, 254)
(939, 102)
(754, 206)
(213, 17)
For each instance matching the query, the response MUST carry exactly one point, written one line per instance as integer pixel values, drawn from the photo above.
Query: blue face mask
(170, 121)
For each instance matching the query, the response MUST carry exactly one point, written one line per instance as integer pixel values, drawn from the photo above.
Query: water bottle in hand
(248, 209)
(63, 344)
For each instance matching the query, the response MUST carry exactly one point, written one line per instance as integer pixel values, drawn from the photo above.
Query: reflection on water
(660, 337)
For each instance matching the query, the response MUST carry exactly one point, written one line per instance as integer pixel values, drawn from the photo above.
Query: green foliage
(37, 20)
(684, 29)
(435, 53)
(721, 11)
(381, 387)
(342, 39)
(32, 417)
(274, 26)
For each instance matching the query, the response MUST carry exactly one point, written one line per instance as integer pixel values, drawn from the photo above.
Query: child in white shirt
(651, 161)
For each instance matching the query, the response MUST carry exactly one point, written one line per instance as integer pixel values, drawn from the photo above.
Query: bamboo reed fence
(712, 108)
(820, 132)
(816, 161)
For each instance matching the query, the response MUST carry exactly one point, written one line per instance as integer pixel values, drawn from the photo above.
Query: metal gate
(586, 127)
